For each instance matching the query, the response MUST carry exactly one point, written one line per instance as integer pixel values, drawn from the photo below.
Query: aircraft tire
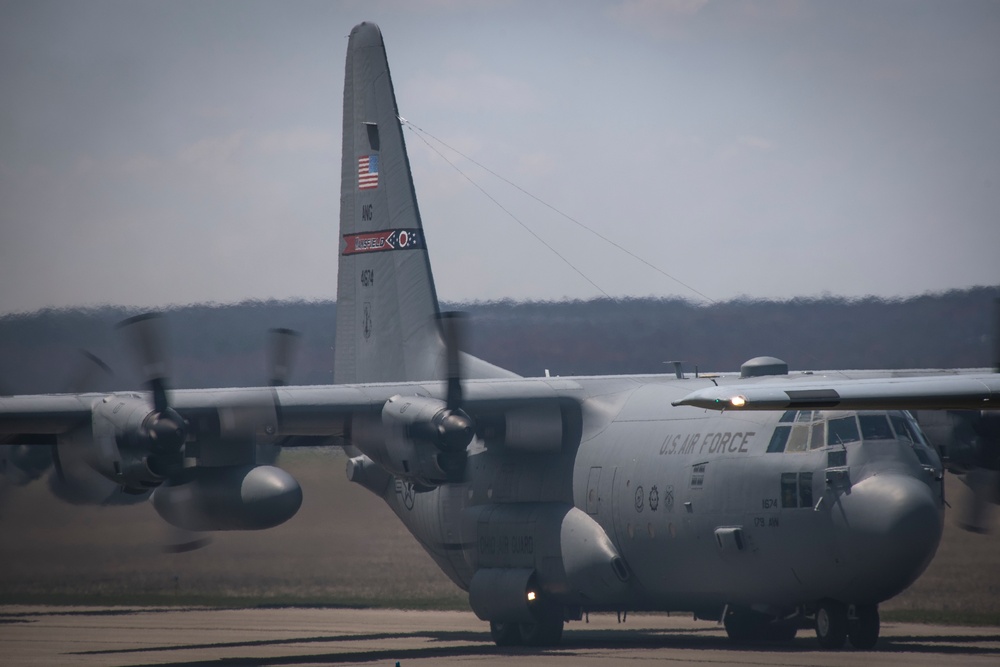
(505, 634)
(546, 630)
(781, 632)
(740, 627)
(863, 629)
(744, 627)
(831, 624)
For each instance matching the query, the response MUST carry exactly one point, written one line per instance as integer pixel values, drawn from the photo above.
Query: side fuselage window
(789, 489)
(805, 489)
(796, 489)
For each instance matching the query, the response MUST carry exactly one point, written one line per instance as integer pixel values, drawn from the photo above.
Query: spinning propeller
(164, 431)
(455, 427)
(282, 348)
(983, 476)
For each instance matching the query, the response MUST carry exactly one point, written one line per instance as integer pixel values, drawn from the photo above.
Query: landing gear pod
(229, 498)
(518, 610)
(573, 558)
(503, 595)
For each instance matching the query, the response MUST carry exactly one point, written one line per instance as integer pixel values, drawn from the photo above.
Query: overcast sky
(156, 153)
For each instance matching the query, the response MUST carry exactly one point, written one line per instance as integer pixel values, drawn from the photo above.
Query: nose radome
(889, 527)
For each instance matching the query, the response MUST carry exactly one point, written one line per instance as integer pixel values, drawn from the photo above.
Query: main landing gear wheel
(831, 624)
(505, 634)
(740, 627)
(546, 630)
(863, 627)
(781, 632)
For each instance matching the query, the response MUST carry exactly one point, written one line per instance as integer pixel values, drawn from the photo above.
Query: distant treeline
(215, 345)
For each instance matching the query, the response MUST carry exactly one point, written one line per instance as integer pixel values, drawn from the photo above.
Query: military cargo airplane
(769, 501)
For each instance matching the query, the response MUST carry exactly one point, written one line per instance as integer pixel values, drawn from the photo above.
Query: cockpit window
(818, 440)
(875, 427)
(901, 428)
(918, 435)
(907, 429)
(799, 439)
(778, 440)
(843, 430)
(904, 422)
(922, 456)
(799, 431)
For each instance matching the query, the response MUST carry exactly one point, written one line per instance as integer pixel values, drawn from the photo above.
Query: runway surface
(115, 636)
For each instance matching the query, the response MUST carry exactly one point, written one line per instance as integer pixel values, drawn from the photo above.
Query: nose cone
(889, 527)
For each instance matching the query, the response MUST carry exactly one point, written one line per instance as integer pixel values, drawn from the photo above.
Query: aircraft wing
(42, 415)
(304, 410)
(957, 392)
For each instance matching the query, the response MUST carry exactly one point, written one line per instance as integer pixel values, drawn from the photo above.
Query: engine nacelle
(418, 439)
(136, 447)
(83, 470)
(229, 498)
(122, 449)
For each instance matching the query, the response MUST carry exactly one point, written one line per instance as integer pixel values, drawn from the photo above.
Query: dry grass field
(344, 547)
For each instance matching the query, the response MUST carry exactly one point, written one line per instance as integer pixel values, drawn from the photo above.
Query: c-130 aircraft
(769, 501)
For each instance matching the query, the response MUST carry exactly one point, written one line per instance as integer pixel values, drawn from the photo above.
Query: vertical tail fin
(386, 303)
(387, 327)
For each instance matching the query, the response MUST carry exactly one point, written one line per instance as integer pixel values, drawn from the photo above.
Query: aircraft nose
(890, 527)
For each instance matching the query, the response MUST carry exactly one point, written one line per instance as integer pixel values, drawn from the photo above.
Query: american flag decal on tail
(367, 172)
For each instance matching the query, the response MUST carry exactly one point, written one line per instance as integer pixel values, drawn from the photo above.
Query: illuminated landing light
(738, 401)
(531, 596)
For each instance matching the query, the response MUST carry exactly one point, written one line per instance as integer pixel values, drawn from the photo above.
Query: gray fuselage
(702, 514)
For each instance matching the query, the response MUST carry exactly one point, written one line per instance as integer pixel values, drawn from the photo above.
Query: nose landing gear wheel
(831, 624)
(863, 628)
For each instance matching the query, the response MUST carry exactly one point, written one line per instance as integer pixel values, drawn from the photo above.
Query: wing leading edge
(959, 392)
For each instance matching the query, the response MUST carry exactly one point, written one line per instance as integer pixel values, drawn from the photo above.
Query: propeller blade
(180, 541)
(146, 334)
(165, 429)
(85, 377)
(453, 333)
(283, 346)
(975, 515)
(457, 428)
